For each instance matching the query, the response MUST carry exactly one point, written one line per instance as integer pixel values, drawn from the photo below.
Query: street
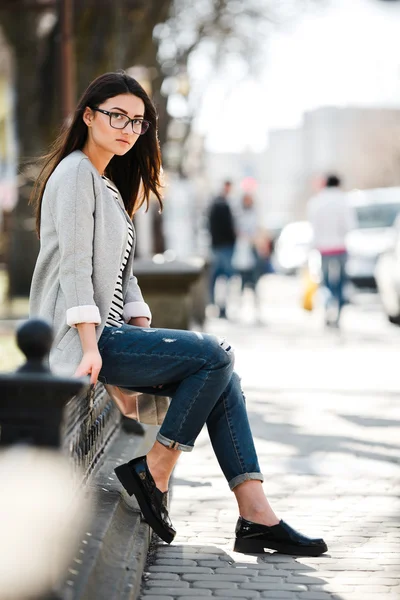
(325, 413)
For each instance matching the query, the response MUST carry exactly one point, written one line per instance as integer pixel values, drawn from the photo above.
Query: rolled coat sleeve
(134, 305)
(73, 212)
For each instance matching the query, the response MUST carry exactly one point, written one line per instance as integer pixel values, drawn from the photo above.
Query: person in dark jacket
(223, 237)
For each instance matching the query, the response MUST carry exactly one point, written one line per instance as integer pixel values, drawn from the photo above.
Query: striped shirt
(115, 318)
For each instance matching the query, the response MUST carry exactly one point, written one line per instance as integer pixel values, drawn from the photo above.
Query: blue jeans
(334, 278)
(221, 267)
(196, 372)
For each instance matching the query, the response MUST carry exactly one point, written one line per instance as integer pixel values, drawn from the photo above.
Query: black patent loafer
(138, 481)
(253, 538)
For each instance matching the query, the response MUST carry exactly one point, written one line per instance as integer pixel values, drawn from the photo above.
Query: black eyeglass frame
(128, 119)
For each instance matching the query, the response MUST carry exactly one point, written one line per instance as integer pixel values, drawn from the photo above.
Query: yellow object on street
(310, 287)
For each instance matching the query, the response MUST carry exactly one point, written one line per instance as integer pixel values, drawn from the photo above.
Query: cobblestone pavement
(325, 414)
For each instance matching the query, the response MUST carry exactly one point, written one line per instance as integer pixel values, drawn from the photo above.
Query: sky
(346, 54)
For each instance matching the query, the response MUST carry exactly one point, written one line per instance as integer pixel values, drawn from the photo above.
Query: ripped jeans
(196, 371)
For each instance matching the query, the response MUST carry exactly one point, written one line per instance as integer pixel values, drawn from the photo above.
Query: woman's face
(107, 138)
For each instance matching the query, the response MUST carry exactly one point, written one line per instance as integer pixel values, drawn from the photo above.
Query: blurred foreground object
(45, 513)
(43, 521)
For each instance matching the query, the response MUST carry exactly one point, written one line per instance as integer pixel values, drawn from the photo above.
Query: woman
(102, 169)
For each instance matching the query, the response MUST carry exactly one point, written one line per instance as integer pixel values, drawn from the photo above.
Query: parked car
(387, 275)
(376, 211)
(292, 247)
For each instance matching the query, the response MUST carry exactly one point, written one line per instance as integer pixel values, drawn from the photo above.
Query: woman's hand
(90, 365)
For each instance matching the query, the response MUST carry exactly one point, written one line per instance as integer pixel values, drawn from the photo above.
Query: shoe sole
(259, 547)
(129, 483)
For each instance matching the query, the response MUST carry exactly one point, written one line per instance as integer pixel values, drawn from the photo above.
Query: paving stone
(176, 562)
(212, 564)
(165, 576)
(237, 571)
(276, 573)
(277, 595)
(283, 587)
(231, 577)
(304, 579)
(315, 596)
(203, 549)
(194, 556)
(151, 597)
(151, 583)
(167, 569)
(215, 585)
(297, 567)
(237, 593)
(261, 565)
(266, 579)
(177, 592)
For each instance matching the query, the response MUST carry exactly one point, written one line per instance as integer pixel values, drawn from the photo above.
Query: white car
(376, 211)
(387, 275)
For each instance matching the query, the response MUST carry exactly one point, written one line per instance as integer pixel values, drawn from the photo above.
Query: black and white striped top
(115, 318)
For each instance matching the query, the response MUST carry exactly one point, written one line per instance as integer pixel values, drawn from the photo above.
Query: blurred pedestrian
(331, 218)
(103, 167)
(223, 236)
(246, 259)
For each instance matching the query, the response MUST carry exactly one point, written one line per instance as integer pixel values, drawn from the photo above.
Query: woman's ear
(88, 116)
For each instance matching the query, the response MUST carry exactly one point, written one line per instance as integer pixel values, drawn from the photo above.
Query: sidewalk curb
(110, 561)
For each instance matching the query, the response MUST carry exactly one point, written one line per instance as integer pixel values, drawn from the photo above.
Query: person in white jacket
(332, 217)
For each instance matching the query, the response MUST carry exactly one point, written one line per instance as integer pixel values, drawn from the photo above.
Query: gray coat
(83, 237)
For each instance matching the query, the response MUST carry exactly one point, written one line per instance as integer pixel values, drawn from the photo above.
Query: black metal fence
(90, 422)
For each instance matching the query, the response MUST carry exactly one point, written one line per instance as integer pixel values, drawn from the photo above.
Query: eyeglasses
(120, 121)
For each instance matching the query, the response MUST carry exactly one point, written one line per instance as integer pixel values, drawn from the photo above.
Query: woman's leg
(193, 368)
(197, 371)
(233, 444)
(232, 441)
(258, 528)
(161, 462)
(253, 504)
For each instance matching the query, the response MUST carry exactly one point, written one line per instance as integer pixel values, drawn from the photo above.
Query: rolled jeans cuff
(172, 445)
(245, 477)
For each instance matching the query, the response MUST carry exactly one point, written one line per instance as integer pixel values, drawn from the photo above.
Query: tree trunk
(23, 245)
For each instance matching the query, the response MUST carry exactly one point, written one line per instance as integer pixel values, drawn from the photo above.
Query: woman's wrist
(139, 321)
(87, 335)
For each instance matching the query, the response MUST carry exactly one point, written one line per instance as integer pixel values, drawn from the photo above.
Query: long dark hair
(137, 173)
